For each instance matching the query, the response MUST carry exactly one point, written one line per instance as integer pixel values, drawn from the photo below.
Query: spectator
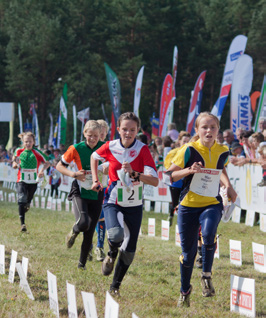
(257, 138)
(229, 139)
(244, 140)
(262, 124)
(144, 130)
(239, 131)
(158, 141)
(182, 134)
(172, 132)
(262, 152)
(143, 138)
(220, 138)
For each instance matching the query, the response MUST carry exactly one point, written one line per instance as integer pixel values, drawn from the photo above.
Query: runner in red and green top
(87, 204)
(27, 160)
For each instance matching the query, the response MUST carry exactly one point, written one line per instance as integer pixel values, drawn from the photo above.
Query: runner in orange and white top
(87, 204)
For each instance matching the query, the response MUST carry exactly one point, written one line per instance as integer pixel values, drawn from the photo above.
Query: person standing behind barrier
(27, 160)
(101, 228)
(175, 187)
(87, 204)
(200, 202)
(130, 161)
(55, 178)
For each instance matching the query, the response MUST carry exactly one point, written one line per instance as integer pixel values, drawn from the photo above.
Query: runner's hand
(80, 175)
(97, 186)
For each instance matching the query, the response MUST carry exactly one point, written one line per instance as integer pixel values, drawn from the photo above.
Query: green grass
(151, 286)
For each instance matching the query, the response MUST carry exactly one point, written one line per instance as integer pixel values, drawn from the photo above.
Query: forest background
(44, 44)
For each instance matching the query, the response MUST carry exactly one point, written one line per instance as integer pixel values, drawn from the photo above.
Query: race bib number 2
(131, 196)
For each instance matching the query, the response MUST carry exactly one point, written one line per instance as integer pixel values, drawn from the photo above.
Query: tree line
(42, 42)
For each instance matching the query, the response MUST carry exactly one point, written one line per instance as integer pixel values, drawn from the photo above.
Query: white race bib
(206, 182)
(29, 175)
(88, 182)
(133, 197)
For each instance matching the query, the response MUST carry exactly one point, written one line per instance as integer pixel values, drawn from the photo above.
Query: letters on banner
(259, 257)
(235, 252)
(242, 296)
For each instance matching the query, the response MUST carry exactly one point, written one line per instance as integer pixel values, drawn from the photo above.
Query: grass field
(151, 286)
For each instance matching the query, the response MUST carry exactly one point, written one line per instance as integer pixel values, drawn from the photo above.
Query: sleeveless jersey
(138, 155)
(214, 158)
(30, 161)
(81, 153)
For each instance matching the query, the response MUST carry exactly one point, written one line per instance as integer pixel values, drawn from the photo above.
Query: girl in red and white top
(130, 165)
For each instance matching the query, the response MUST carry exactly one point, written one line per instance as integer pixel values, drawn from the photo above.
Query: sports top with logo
(30, 161)
(214, 159)
(139, 157)
(81, 153)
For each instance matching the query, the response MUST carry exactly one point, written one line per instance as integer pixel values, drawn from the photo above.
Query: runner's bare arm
(79, 175)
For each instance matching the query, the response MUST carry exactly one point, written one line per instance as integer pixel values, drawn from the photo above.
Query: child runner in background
(202, 165)
(27, 160)
(131, 160)
(55, 178)
(87, 204)
(101, 228)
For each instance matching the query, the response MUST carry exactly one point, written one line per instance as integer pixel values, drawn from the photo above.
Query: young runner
(87, 204)
(27, 160)
(130, 165)
(202, 165)
(101, 228)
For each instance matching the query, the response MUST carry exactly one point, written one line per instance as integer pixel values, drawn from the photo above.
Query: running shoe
(100, 254)
(114, 291)
(81, 266)
(207, 287)
(184, 298)
(23, 228)
(108, 265)
(70, 238)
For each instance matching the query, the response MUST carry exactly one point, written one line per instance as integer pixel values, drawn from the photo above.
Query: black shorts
(25, 192)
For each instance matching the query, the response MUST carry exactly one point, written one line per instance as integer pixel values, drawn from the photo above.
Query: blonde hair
(103, 124)
(92, 125)
(27, 134)
(200, 116)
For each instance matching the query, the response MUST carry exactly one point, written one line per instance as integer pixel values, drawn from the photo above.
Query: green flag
(114, 91)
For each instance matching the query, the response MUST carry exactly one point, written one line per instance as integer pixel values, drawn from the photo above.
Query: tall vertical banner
(166, 97)
(261, 112)
(174, 72)
(74, 125)
(35, 125)
(113, 126)
(236, 49)
(61, 139)
(240, 112)
(20, 119)
(83, 116)
(55, 132)
(137, 94)
(114, 91)
(253, 100)
(50, 140)
(195, 103)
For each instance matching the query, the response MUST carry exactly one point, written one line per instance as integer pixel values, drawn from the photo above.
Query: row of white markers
(111, 306)
(50, 203)
(242, 290)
